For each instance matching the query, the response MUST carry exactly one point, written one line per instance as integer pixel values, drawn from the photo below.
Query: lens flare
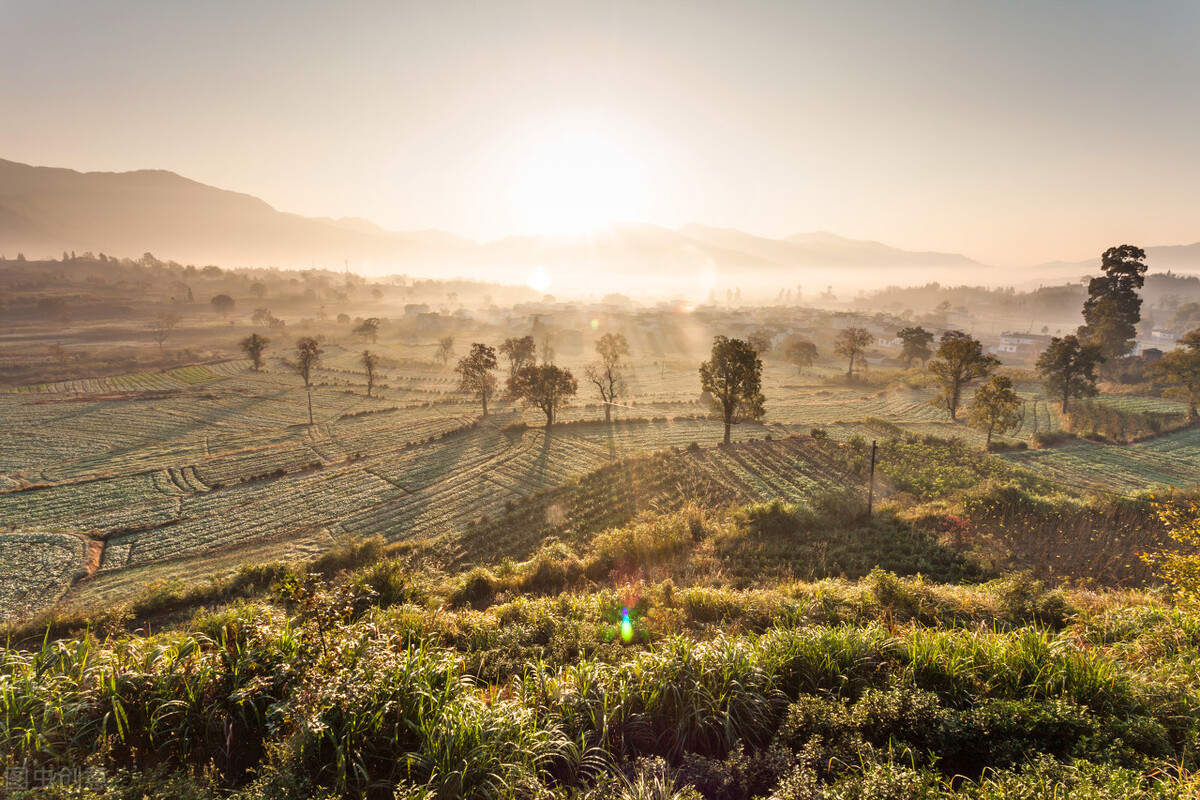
(626, 626)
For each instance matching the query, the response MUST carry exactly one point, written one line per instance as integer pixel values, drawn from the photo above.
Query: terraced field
(158, 474)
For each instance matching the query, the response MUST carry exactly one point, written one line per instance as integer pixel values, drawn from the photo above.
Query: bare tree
(162, 327)
(606, 375)
(445, 349)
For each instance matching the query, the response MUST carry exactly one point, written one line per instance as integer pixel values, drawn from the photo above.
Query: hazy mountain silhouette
(44, 211)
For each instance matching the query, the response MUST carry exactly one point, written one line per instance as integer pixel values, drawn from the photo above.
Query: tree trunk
(484, 399)
(727, 426)
(608, 412)
(991, 427)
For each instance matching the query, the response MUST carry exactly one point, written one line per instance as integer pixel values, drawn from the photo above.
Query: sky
(1013, 132)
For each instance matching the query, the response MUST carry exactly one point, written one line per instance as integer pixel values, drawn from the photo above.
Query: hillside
(45, 211)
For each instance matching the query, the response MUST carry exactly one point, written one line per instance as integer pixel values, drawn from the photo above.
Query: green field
(164, 472)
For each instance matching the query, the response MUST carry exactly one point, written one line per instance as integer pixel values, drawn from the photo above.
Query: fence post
(871, 484)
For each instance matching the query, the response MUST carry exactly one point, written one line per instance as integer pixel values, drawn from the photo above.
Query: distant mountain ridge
(46, 210)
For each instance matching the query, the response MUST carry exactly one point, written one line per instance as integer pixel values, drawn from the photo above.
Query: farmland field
(179, 474)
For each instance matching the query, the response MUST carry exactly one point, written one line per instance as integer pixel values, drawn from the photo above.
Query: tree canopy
(851, 344)
(519, 351)
(1113, 307)
(1181, 368)
(308, 355)
(546, 386)
(733, 377)
(1068, 368)
(994, 407)
(960, 361)
(475, 373)
(799, 352)
(254, 345)
(916, 344)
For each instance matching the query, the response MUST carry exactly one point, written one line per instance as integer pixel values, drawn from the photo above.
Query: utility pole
(871, 484)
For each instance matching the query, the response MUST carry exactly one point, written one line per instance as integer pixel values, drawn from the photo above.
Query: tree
(799, 352)
(761, 341)
(258, 289)
(222, 304)
(445, 349)
(1182, 367)
(308, 355)
(162, 327)
(606, 375)
(960, 360)
(1113, 308)
(733, 378)
(368, 330)
(546, 386)
(1068, 368)
(520, 352)
(369, 363)
(254, 346)
(916, 344)
(851, 344)
(475, 369)
(994, 408)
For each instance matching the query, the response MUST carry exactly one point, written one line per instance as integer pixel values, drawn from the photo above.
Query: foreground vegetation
(628, 663)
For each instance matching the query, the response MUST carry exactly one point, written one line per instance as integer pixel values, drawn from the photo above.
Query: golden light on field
(575, 183)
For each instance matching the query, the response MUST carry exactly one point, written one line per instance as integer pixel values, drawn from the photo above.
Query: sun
(572, 184)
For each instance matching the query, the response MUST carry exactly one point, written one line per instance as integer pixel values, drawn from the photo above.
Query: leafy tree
(475, 370)
(1113, 308)
(1181, 366)
(546, 386)
(733, 377)
(606, 375)
(960, 360)
(1068, 368)
(1179, 567)
(445, 349)
(369, 361)
(308, 355)
(851, 344)
(162, 327)
(994, 408)
(799, 352)
(916, 344)
(520, 352)
(254, 346)
(761, 342)
(1186, 316)
(258, 289)
(368, 330)
(222, 304)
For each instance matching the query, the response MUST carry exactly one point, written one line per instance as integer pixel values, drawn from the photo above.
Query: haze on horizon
(1013, 133)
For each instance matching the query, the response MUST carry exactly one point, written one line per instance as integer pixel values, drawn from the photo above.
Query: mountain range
(45, 210)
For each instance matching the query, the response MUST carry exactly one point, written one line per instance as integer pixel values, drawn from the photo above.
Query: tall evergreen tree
(1114, 308)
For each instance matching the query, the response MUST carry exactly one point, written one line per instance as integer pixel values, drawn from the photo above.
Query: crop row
(92, 505)
(258, 511)
(36, 568)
